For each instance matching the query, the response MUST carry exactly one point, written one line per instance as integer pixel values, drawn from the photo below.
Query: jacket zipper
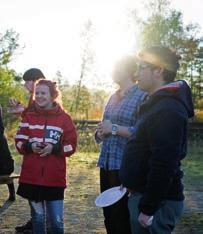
(45, 125)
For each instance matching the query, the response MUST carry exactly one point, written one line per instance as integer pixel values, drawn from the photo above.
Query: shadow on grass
(5, 206)
(81, 215)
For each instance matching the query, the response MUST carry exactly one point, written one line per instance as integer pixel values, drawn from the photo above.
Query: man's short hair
(33, 74)
(162, 57)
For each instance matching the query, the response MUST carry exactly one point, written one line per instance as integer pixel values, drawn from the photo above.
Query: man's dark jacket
(152, 159)
(6, 161)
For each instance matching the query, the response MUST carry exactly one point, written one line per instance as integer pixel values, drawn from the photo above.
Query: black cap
(33, 74)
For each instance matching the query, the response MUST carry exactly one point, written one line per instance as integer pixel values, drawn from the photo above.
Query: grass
(192, 164)
(193, 168)
(192, 219)
(84, 163)
(193, 181)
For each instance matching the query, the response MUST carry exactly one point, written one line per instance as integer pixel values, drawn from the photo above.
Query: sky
(50, 33)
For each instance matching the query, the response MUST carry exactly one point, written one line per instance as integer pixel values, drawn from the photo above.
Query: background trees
(162, 25)
(9, 81)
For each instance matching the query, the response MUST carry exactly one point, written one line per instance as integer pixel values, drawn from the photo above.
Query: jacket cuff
(132, 130)
(56, 149)
(27, 147)
(148, 208)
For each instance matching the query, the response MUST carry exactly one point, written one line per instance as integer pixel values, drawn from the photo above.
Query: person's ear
(158, 71)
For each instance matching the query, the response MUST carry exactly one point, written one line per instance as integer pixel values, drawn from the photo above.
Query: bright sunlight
(51, 36)
(112, 39)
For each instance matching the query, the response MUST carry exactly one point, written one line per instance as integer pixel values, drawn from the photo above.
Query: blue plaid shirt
(121, 112)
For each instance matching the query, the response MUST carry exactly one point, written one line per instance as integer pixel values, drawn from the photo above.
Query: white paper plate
(110, 196)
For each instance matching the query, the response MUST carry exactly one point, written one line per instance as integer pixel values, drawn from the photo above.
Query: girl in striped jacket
(46, 136)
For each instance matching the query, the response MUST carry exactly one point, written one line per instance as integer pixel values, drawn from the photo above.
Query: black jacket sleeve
(1, 126)
(4, 149)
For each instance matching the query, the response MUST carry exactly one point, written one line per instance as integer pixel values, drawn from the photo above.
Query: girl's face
(43, 97)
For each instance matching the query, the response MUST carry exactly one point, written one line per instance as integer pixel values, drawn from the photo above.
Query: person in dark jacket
(6, 161)
(46, 136)
(151, 166)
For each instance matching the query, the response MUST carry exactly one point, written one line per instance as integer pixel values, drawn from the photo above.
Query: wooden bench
(8, 179)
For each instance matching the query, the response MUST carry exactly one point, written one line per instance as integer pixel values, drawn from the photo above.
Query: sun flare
(53, 43)
(113, 38)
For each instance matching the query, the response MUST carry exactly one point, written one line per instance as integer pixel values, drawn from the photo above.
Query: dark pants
(6, 168)
(116, 216)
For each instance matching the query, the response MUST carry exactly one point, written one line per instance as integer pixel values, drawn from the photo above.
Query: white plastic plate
(110, 196)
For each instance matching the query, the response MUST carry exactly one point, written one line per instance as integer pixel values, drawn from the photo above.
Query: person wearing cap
(30, 77)
(113, 132)
(151, 166)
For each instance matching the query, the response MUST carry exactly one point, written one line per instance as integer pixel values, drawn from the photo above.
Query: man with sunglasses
(152, 159)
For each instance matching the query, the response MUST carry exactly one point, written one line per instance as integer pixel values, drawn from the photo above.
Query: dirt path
(80, 213)
(81, 216)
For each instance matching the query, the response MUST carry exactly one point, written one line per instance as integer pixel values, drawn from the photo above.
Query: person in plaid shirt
(112, 133)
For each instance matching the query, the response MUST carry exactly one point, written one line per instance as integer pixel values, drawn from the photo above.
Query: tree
(58, 78)
(9, 80)
(8, 45)
(84, 100)
(87, 59)
(195, 75)
(164, 26)
(98, 102)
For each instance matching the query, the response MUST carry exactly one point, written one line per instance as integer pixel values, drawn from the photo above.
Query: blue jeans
(164, 220)
(53, 211)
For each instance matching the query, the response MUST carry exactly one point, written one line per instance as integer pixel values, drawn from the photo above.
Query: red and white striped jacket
(46, 126)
